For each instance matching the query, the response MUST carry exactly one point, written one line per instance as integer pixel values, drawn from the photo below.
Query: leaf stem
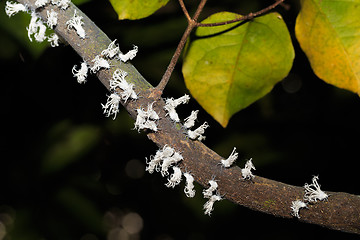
(186, 13)
(242, 18)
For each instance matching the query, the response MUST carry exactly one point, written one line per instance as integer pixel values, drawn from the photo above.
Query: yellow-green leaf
(229, 67)
(329, 33)
(136, 9)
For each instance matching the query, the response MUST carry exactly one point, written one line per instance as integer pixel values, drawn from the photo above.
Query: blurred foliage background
(68, 172)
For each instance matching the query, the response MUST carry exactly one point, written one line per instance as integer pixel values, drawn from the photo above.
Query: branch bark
(340, 212)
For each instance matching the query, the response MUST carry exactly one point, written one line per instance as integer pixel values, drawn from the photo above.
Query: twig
(186, 13)
(340, 212)
(191, 24)
(243, 18)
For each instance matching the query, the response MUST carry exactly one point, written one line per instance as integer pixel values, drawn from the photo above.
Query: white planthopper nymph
(313, 191)
(118, 81)
(146, 119)
(51, 18)
(171, 104)
(246, 172)
(190, 120)
(129, 55)
(209, 191)
(198, 133)
(296, 206)
(63, 4)
(99, 63)
(36, 27)
(111, 51)
(53, 39)
(189, 187)
(208, 206)
(13, 8)
(76, 23)
(151, 112)
(41, 3)
(169, 161)
(112, 105)
(231, 159)
(155, 161)
(40, 34)
(175, 178)
(163, 159)
(81, 74)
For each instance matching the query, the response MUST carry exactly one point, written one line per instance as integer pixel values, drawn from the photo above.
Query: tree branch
(242, 18)
(191, 24)
(340, 212)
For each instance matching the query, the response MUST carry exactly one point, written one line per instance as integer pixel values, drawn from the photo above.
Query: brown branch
(186, 13)
(191, 24)
(341, 211)
(242, 18)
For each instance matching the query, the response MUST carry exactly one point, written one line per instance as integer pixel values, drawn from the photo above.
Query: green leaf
(329, 34)
(229, 67)
(136, 9)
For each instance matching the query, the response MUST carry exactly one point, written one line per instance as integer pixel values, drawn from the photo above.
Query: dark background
(68, 172)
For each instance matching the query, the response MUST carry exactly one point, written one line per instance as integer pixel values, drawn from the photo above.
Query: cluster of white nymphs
(76, 23)
(112, 105)
(246, 172)
(170, 108)
(36, 27)
(171, 104)
(312, 194)
(212, 195)
(118, 81)
(113, 51)
(231, 159)
(164, 159)
(101, 61)
(155, 161)
(146, 119)
(197, 133)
